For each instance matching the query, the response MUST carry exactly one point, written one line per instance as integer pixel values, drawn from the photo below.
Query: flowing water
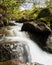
(37, 55)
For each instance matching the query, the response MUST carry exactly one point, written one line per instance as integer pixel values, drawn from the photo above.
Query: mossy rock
(45, 20)
(44, 13)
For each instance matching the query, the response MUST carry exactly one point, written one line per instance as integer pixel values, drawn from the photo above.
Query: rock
(1, 23)
(5, 31)
(51, 24)
(6, 23)
(22, 20)
(39, 31)
(11, 24)
(42, 20)
(15, 50)
(49, 43)
(40, 28)
(18, 62)
(28, 27)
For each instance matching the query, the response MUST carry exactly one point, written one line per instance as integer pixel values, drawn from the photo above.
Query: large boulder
(39, 28)
(39, 31)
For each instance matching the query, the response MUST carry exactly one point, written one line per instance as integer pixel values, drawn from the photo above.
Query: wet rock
(49, 43)
(40, 32)
(1, 23)
(5, 31)
(37, 29)
(33, 27)
(22, 20)
(5, 22)
(51, 24)
(10, 51)
(11, 24)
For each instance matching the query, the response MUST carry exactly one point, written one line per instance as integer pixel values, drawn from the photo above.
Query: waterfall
(37, 54)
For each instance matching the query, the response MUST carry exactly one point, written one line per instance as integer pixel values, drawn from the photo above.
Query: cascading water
(37, 55)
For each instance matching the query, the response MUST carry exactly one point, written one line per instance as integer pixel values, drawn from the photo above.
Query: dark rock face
(39, 31)
(51, 24)
(14, 51)
(40, 28)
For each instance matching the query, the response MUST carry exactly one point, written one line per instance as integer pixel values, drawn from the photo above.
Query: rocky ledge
(18, 62)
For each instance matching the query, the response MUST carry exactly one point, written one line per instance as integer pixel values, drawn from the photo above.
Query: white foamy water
(37, 55)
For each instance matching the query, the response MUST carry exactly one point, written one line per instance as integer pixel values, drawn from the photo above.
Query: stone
(10, 51)
(40, 32)
(18, 62)
(22, 20)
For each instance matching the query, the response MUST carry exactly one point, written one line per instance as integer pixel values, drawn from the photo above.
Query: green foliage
(11, 7)
(29, 14)
(9, 10)
(48, 3)
(34, 12)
